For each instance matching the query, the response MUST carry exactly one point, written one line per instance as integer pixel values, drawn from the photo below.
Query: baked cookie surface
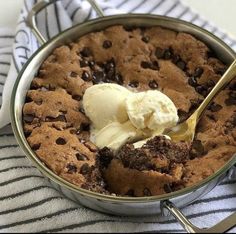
(140, 59)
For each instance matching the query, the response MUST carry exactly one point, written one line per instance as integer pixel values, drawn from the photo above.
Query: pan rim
(57, 179)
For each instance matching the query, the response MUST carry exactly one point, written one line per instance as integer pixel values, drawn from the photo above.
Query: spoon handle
(228, 76)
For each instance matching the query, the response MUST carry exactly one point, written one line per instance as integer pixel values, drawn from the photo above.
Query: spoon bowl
(185, 131)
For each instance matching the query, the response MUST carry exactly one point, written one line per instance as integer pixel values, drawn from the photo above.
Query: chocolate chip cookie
(140, 59)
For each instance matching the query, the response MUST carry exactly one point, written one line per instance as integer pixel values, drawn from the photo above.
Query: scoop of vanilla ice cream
(119, 116)
(105, 103)
(116, 134)
(151, 110)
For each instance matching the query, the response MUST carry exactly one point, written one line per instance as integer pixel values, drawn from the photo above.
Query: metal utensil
(185, 131)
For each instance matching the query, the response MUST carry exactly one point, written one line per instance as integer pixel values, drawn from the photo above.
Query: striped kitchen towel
(27, 202)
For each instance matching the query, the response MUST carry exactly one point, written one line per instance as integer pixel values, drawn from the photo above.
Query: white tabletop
(220, 12)
(9, 12)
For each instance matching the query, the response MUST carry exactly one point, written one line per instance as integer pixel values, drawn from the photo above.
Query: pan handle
(31, 19)
(221, 227)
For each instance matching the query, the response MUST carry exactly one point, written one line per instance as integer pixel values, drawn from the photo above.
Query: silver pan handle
(31, 19)
(221, 227)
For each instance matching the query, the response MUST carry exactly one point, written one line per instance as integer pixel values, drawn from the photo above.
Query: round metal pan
(104, 203)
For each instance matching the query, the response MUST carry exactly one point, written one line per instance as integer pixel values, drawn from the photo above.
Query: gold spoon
(185, 131)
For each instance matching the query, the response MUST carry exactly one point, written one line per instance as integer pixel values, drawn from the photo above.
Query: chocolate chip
(175, 58)
(198, 72)
(42, 73)
(167, 54)
(86, 52)
(155, 65)
(34, 85)
(110, 74)
(107, 44)
(28, 99)
(60, 118)
(27, 134)
(63, 112)
(221, 71)
(230, 101)
(51, 87)
(105, 156)
(81, 157)
(84, 127)
(134, 84)
(211, 83)
(214, 107)
(205, 92)
(69, 92)
(146, 39)
(60, 141)
(77, 97)
(130, 193)
(84, 63)
(153, 84)
(167, 188)
(118, 79)
(145, 64)
(181, 64)
(71, 168)
(28, 118)
(98, 76)
(147, 192)
(86, 76)
(150, 65)
(159, 53)
(36, 147)
(85, 169)
(200, 89)
(128, 28)
(198, 147)
(91, 64)
(212, 117)
(192, 81)
(232, 86)
(232, 94)
(195, 103)
(110, 65)
(73, 74)
(107, 80)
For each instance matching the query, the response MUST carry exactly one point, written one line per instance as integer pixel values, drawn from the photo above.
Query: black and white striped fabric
(27, 202)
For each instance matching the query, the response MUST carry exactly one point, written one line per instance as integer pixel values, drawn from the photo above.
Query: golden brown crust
(134, 182)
